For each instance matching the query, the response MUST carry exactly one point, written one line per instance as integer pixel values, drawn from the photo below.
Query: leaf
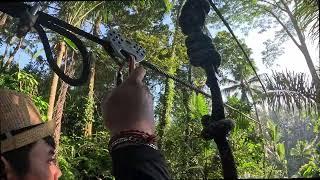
(37, 54)
(281, 151)
(168, 5)
(290, 90)
(70, 44)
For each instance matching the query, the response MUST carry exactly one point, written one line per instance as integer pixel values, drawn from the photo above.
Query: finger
(137, 75)
(131, 64)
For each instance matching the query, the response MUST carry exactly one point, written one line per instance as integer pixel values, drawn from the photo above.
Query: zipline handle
(115, 44)
(31, 18)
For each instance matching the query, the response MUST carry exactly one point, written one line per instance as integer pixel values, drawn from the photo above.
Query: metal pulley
(27, 20)
(123, 48)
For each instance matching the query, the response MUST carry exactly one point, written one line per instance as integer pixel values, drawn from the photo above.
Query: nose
(57, 172)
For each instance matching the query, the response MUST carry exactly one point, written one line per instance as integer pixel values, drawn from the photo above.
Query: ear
(8, 171)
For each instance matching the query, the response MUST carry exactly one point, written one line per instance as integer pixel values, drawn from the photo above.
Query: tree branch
(284, 27)
(274, 5)
(10, 59)
(303, 47)
(295, 23)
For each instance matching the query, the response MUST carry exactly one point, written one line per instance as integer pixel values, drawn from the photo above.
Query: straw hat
(18, 111)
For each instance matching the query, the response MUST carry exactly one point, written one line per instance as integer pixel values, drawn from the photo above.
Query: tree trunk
(89, 109)
(58, 109)
(169, 88)
(186, 100)
(11, 57)
(304, 49)
(166, 111)
(54, 84)
(3, 19)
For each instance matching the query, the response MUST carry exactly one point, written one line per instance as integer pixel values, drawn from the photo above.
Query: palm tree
(242, 88)
(73, 13)
(246, 89)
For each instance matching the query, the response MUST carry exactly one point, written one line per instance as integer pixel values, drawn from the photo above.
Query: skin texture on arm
(129, 106)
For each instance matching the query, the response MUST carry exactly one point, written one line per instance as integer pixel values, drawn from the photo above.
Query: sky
(292, 59)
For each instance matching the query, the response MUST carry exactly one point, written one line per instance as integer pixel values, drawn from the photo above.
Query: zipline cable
(238, 43)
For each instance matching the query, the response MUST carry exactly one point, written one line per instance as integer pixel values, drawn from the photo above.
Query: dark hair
(19, 158)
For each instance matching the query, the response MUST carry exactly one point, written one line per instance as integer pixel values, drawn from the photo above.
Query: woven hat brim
(28, 136)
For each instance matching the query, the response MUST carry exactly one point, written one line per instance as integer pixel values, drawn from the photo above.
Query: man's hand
(129, 106)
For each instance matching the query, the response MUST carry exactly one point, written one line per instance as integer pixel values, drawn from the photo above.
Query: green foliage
(85, 158)
(233, 60)
(249, 154)
(310, 170)
(165, 118)
(241, 121)
(24, 82)
(273, 131)
(307, 14)
(247, 145)
(70, 44)
(188, 156)
(198, 106)
(302, 149)
(89, 110)
(309, 154)
(281, 151)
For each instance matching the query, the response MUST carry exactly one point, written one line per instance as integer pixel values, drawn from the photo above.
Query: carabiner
(27, 20)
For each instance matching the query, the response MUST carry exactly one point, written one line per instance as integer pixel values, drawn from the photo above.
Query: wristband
(132, 137)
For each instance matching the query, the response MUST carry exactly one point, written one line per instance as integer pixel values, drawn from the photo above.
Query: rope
(202, 53)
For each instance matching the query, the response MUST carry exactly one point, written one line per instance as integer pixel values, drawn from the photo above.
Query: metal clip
(27, 20)
(123, 48)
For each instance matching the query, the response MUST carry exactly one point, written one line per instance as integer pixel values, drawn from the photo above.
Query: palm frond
(290, 90)
(307, 14)
(256, 78)
(230, 89)
(226, 81)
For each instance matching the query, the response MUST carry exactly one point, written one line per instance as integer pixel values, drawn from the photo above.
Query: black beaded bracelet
(132, 137)
(128, 141)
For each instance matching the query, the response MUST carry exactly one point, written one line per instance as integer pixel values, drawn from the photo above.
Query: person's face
(42, 166)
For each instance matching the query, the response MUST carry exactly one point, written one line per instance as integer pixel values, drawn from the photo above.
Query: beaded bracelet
(132, 137)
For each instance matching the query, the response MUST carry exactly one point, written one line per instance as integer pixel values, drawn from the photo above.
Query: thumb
(137, 75)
